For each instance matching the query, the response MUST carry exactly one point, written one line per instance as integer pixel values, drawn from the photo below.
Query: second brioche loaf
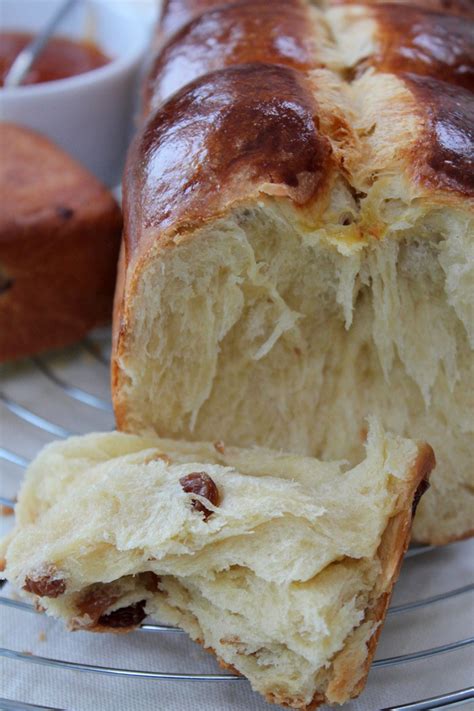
(60, 234)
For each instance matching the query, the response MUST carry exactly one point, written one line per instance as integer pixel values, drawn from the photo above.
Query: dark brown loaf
(59, 239)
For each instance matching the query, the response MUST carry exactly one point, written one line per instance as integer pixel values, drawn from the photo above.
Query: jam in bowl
(61, 58)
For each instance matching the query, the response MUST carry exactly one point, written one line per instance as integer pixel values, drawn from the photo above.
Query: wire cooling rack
(67, 393)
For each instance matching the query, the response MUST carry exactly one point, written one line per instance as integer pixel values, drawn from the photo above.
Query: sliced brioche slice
(280, 564)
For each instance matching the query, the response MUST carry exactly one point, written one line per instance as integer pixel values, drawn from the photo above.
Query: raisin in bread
(59, 239)
(280, 564)
(298, 248)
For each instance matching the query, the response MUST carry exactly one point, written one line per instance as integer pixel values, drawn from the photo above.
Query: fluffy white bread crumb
(286, 575)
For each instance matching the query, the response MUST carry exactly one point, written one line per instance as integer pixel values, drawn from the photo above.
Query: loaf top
(285, 99)
(45, 188)
(446, 157)
(274, 33)
(228, 134)
(294, 34)
(419, 41)
(176, 13)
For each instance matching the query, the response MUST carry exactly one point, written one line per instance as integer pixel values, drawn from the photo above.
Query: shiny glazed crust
(424, 42)
(212, 113)
(59, 239)
(432, 39)
(272, 33)
(246, 129)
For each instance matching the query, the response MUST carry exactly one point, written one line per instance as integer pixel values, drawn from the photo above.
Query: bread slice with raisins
(281, 565)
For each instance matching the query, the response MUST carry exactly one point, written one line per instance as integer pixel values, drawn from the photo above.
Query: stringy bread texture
(287, 579)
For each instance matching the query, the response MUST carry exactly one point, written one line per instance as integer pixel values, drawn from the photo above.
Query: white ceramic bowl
(89, 115)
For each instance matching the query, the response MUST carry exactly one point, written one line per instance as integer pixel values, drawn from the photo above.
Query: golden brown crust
(433, 54)
(257, 31)
(216, 138)
(59, 239)
(220, 140)
(426, 43)
(118, 322)
(392, 549)
(444, 156)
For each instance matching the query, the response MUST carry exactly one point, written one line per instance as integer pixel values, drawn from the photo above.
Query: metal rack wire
(96, 348)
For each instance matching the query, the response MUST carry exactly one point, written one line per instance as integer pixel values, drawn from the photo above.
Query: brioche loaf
(298, 246)
(280, 564)
(59, 239)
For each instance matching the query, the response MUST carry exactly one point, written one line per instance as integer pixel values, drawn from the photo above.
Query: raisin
(150, 580)
(130, 616)
(96, 600)
(6, 282)
(200, 483)
(45, 583)
(423, 486)
(64, 212)
(5, 285)
(425, 463)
